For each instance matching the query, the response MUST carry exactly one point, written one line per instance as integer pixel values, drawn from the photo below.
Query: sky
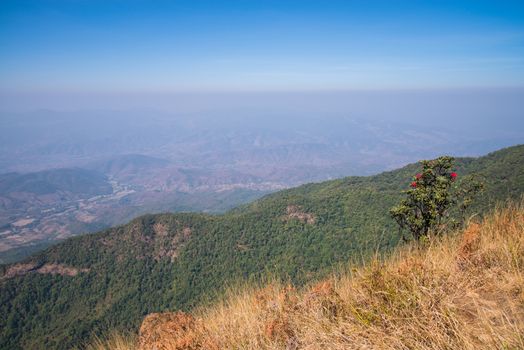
(117, 46)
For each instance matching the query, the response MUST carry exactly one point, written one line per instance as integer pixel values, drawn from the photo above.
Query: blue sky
(90, 45)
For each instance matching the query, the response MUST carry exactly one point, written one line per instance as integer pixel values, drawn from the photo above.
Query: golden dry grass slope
(462, 291)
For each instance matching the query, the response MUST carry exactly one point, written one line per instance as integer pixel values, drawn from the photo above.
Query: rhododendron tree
(433, 192)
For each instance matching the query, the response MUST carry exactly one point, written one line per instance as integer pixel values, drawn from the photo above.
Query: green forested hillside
(111, 279)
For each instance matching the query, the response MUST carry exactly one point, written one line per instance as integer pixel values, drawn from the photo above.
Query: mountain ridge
(462, 291)
(178, 261)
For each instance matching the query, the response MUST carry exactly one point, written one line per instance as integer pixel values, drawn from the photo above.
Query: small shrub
(433, 192)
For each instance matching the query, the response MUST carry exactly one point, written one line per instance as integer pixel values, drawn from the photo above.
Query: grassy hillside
(462, 291)
(111, 279)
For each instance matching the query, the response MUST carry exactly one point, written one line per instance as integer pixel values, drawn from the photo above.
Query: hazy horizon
(456, 64)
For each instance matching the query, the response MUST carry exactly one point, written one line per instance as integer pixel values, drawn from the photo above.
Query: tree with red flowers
(430, 197)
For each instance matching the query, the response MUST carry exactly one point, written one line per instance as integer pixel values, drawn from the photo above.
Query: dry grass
(463, 291)
(113, 341)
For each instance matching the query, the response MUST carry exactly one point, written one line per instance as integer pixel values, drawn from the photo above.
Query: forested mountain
(74, 181)
(462, 291)
(111, 279)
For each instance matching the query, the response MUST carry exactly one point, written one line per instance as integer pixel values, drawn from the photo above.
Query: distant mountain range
(188, 162)
(71, 181)
(35, 208)
(38, 209)
(284, 150)
(127, 165)
(111, 279)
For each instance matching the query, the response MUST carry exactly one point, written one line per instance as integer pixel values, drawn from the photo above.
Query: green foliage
(428, 200)
(470, 187)
(133, 269)
(426, 205)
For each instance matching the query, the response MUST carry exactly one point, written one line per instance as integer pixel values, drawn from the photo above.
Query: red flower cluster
(418, 176)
